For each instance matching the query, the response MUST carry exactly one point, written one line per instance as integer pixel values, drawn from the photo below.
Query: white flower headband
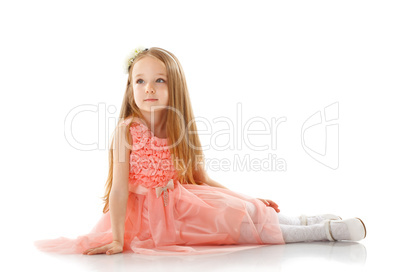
(130, 57)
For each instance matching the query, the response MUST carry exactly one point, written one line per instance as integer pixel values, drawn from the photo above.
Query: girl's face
(150, 84)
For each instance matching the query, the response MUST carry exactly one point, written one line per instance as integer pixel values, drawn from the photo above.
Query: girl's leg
(283, 219)
(288, 220)
(291, 229)
(317, 232)
(297, 233)
(305, 220)
(293, 234)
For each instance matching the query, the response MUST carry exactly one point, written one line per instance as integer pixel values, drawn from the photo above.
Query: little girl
(158, 195)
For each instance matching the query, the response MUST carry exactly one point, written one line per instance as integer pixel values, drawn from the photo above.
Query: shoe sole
(330, 237)
(364, 226)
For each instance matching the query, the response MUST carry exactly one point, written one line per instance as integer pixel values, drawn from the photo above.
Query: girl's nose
(150, 89)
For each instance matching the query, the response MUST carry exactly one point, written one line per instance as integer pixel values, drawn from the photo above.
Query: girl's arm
(119, 192)
(201, 176)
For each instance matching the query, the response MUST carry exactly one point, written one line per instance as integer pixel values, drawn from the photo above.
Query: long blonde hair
(188, 161)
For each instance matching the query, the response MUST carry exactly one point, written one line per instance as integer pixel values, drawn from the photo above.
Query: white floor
(379, 251)
(317, 256)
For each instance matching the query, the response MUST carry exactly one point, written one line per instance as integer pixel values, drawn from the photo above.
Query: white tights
(291, 229)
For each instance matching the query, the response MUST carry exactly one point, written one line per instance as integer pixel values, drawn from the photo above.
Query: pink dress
(164, 216)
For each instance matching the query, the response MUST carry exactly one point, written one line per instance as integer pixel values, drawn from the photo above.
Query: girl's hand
(270, 203)
(112, 248)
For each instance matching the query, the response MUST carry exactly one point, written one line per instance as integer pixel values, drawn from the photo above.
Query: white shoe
(355, 227)
(317, 218)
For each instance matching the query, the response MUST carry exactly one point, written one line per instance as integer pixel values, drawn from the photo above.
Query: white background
(276, 58)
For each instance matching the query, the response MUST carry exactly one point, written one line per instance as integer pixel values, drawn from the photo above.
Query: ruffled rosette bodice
(150, 161)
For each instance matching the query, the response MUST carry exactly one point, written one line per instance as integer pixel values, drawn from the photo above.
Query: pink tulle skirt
(197, 219)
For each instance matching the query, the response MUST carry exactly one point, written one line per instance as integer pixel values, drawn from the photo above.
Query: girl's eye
(161, 79)
(138, 81)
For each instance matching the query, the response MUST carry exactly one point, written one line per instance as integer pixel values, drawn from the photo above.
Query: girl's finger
(97, 250)
(274, 204)
(93, 251)
(87, 251)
